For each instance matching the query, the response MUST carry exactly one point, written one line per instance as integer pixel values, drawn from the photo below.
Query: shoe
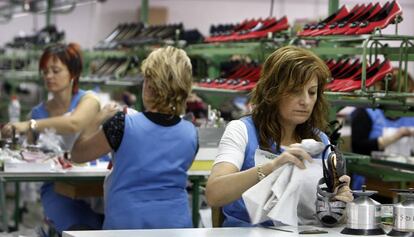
(328, 28)
(355, 74)
(243, 85)
(282, 24)
(239, 30)
(132, 31)
(204, 82)
(247, 87)
(330, 63)
(227, 83)
(257, 30)
(352, 26)
(242, 72)
(309, 29)
(342, 26)
(382, 19)
(347, 69)
(377, 74)
(355, 11)
(339, 66)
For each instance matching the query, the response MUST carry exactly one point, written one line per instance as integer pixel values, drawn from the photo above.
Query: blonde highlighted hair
(168, 74)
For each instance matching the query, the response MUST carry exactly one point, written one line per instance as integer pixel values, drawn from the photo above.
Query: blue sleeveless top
(40, 111)
(149, 176)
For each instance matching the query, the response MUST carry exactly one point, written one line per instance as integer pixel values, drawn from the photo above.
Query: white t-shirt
(233, 144)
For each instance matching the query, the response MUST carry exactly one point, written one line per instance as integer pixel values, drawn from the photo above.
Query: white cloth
(287, 195)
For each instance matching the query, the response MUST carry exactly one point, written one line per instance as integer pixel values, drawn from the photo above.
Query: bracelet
(32, 125)
(32, 129)
(260, 174)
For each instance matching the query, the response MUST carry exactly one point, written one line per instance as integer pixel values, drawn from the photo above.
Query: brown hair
(285, 70)
(168, 72)
(69, 55)
(393, 86)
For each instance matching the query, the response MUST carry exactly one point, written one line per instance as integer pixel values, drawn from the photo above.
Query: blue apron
(149, 176)
(235, 213)
(65, 213)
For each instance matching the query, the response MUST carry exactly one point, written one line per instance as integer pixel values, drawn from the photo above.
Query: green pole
(333, 6)
(49, 12)
(144, 11)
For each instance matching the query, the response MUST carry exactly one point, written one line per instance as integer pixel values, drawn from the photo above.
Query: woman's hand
(405, 132)
(20, 127)
(293, 154)
(386, 140)
(344, 192)
(108, 111)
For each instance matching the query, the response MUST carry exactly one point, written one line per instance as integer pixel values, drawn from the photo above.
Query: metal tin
(404, 213)
(363, 213)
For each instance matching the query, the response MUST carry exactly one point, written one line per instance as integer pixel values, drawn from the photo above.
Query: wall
(90, 23)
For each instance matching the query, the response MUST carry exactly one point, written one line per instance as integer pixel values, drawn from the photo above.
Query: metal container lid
(363, 197)
(408, 195)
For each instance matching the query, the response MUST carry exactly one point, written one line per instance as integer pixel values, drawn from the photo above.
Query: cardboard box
(79, 189)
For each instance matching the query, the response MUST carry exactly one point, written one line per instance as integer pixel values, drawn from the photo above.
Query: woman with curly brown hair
(288, 106)
(152, 150)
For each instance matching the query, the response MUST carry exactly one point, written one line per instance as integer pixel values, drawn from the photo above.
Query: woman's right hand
(109, 110)
(294, 154)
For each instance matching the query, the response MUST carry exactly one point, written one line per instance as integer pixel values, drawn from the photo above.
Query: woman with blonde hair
(288, 106)
(152, 150)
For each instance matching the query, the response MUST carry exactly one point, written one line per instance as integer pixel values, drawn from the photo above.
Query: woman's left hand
(344, 192)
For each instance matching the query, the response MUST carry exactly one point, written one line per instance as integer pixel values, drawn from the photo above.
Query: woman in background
(367, 126)
(70, 111)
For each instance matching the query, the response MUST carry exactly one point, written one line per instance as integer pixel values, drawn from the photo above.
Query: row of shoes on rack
(45, 36)
(361, 19)
(114, 68)
(242, 77)
(347, 74)
(124, 31)
(14, 64)
(133, 34)
(249, 29)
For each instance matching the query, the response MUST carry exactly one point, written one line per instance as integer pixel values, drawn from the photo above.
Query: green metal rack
(369, 47)
(216, 53)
